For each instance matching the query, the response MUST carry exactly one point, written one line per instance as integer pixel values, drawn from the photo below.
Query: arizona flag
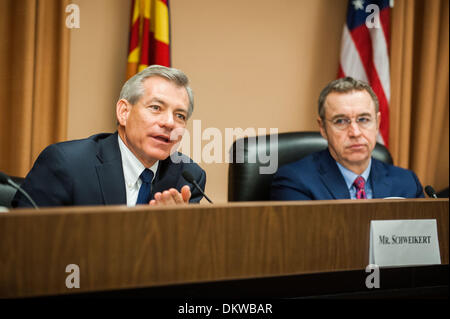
(365, 52)
(149, 35)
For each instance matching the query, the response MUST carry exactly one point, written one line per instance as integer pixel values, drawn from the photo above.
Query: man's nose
(354, 129)
(167, 120)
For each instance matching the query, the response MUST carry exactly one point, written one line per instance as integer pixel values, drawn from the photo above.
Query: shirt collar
(132, 167)
(350, 177)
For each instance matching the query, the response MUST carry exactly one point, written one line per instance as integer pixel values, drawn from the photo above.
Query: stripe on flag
(149, 35)
(365, 52)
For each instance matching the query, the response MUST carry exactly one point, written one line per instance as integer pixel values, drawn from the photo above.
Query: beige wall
(255, 63)
(98, 55)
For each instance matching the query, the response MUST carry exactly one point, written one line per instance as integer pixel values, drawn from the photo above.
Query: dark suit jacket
(317, 176)
(89, 172)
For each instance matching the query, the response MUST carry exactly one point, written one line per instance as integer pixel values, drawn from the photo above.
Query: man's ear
(322, 129)
(123, 108)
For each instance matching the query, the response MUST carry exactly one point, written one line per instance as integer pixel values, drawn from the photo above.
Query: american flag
(365, 52)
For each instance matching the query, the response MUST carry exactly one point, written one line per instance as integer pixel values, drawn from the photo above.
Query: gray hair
(133, 89)
(344, 85)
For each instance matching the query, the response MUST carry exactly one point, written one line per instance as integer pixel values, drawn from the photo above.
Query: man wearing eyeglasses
(349, 119)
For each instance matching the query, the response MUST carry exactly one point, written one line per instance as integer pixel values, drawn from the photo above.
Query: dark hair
(344, 85)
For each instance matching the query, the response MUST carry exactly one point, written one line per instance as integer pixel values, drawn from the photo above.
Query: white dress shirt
(132, 169)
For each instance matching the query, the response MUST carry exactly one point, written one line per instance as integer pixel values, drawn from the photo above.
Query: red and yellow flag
(149, 35)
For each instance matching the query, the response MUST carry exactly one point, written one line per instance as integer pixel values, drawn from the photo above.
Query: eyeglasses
(343, 123)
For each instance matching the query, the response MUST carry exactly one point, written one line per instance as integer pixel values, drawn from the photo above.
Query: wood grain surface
(120, 247)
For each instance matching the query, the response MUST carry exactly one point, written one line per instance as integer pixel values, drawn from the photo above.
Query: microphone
(430, 191)
(188, 176)
(4, 179)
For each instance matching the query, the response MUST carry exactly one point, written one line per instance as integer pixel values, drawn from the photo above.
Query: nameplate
(404, 242)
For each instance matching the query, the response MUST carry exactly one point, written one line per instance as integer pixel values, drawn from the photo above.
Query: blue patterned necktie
(146, 188)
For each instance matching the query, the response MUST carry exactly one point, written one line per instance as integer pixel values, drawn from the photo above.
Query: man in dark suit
(135, 165)
(349, 119)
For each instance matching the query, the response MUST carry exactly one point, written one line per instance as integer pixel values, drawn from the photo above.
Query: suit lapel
(331, 176)
(110, 171)
(381, 184)
(166, 176)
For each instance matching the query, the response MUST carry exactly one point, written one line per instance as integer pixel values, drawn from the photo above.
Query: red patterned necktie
(359, 184)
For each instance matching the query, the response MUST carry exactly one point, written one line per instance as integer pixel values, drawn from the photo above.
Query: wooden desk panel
(119, 247)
